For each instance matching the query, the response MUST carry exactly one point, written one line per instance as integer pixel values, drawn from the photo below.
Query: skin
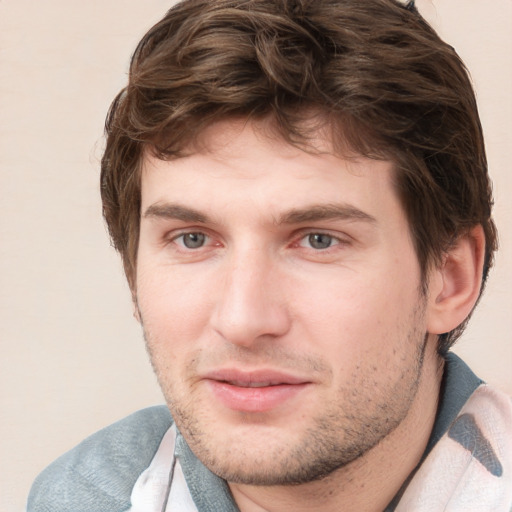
(260, 262)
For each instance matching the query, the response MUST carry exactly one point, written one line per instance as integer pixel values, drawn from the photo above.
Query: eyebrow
(325, 212)
(312, 213)
(176, 212)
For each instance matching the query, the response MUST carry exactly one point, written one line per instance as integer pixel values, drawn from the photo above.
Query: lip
(254, 391)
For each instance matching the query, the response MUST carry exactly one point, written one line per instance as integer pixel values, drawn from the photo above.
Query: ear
(454, 287)
(136, 311)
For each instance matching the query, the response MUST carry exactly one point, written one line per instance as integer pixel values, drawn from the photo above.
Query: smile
(242, 384)
(254, 392)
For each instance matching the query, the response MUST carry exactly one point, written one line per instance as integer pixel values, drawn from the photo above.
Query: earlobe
(136, 311)
(456, 283)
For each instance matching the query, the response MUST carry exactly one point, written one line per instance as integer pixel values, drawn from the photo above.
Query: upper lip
(254, 378)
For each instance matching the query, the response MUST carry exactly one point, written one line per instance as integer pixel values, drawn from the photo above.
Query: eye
(191, 240)
(319, 241)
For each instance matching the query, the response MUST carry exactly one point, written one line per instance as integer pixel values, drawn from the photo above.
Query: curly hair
(379, 76)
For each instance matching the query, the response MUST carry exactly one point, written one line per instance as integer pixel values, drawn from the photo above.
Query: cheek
(174, 308)
(358, 311)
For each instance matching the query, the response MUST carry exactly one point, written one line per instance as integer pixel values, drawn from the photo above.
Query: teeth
(251, 384)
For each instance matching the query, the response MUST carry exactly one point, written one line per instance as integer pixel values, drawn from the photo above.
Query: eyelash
(303, 236)
(332, 240)
(176, 238)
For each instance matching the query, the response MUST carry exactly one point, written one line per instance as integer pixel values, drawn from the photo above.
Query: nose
(250, 303)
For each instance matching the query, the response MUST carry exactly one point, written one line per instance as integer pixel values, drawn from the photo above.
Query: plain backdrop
(72, 356)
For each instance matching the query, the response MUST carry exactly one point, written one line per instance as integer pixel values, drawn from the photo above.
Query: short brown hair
(381, 77)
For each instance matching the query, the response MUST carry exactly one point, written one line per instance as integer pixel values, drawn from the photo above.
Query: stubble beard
(359, 419)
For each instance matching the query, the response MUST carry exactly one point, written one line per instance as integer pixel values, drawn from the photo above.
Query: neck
(369, 483)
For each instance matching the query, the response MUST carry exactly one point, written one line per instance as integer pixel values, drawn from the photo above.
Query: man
(299, 193)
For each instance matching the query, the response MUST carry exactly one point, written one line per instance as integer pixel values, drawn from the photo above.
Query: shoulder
(100, 472)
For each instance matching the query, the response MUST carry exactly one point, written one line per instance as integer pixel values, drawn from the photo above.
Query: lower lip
(254, 399)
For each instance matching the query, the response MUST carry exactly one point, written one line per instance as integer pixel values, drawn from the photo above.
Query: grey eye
(320, 240)
(193, 240)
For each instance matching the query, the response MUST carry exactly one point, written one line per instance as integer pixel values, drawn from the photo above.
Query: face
(279, 293)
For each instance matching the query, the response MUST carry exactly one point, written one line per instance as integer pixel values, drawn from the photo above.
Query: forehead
(249, 163)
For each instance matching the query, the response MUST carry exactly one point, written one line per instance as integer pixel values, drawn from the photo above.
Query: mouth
(242, 384)
(256, 391)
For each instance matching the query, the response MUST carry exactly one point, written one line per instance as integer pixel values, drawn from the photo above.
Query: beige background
(72, 356)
